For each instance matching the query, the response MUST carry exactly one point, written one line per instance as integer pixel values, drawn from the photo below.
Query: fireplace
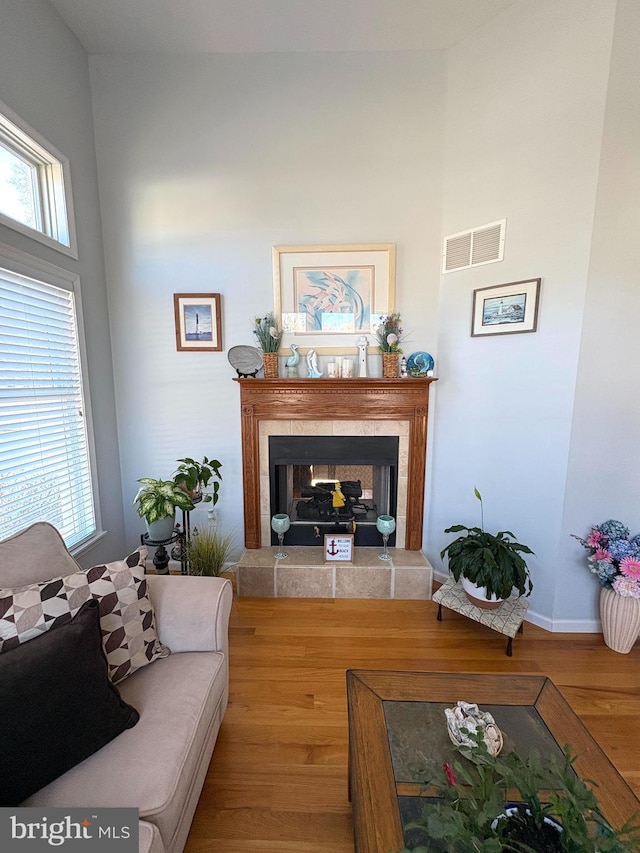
(307, 472)
(352, 408)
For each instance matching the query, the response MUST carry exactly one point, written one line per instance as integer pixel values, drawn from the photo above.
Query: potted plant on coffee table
(491, 565)
(193, 477)
(156, 502)
(555, 812)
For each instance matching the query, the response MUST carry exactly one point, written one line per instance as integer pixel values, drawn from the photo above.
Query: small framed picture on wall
(506, 308)
(198, 322)
(338, 547)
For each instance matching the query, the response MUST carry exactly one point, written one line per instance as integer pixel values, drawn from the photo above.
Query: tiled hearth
(304, 574)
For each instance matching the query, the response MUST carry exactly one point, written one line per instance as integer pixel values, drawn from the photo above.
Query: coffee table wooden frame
(372, 788)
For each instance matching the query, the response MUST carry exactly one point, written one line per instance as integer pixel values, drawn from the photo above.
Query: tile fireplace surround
(340, 407)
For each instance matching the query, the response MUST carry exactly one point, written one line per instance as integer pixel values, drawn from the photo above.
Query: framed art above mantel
(326, 296)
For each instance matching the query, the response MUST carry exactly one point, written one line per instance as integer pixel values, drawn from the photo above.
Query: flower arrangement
(389, 333)
(614, 557)
(267, 332)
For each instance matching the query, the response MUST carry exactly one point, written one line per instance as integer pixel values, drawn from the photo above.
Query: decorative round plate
(246, 360)
(419, 363)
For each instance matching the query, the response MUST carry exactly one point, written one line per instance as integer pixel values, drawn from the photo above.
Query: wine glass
(386, 524)
(280, 523)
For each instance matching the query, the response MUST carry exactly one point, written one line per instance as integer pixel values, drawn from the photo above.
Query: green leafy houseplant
(267, 333)
(208, 552)
(157, 499)
(487, 560)
(471, 814)
(193, 476)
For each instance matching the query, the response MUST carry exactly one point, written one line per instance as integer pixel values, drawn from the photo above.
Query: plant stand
(181, 537)
(506, 619)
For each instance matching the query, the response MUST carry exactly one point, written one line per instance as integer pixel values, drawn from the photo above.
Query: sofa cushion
(156, 766)
(57, 705)
(126, 612)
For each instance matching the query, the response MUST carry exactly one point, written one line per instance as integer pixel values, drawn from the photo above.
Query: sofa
(158, 765)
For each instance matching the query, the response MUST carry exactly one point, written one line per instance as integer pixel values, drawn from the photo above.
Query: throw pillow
(57, 705)
(127, 617)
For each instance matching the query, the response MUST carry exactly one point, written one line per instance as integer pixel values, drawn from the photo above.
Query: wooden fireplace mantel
(335, 399)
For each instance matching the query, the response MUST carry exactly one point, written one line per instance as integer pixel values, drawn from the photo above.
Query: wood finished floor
(278, 777)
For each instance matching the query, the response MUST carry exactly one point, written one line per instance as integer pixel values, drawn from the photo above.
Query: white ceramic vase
(478, 595)
(620, 618)
(161, 530)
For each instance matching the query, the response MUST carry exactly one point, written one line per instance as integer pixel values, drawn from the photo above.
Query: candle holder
(280, 523)
(385, 524)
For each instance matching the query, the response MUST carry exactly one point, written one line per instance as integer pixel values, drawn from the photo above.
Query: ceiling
(236, 26)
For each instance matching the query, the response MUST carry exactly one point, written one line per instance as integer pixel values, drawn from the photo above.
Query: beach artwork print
(197, 322)
(333, 300)
(504, 309)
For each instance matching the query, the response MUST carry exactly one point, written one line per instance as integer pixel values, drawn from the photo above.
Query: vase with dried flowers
(389, 335)
(614, 558)
(269, 336)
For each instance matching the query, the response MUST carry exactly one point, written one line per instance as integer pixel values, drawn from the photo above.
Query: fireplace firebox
(330, 484)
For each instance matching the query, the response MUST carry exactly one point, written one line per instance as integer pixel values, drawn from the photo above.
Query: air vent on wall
(482, 245)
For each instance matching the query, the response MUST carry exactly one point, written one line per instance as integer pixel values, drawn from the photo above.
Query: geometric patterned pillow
(127, 619)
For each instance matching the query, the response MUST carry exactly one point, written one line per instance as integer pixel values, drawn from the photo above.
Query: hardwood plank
(278, 778)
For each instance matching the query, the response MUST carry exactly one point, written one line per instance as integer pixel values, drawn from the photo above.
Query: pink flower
(602, 555)
(595, 538)
(630, 567)
(451, 776)
(626, 587)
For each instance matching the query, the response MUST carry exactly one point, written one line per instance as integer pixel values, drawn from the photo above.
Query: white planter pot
(620, 617)
(478, 595)
(161, 530)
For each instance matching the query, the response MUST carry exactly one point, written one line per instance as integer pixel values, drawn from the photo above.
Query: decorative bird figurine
(292, 362)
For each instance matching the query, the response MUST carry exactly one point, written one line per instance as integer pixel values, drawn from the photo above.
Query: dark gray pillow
(57, 705)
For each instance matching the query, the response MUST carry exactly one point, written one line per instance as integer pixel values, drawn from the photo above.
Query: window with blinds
(45, 470)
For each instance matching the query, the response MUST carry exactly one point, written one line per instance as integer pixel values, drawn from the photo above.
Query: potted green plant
(389, 335)
(269, 335)
(208, 552)
(156, 502)
(557, 812)
(194, 476)
(491, 565)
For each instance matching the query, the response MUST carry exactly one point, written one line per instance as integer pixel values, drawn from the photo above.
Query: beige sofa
(159, 765)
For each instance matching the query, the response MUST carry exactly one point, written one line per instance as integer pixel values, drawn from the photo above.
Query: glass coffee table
(396, 719)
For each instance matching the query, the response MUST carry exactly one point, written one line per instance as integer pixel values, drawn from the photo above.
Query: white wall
(44, 78)
(525, 109)
(604, 454)
(207, 162)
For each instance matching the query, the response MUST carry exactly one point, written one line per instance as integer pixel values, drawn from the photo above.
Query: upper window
(35, 187)
(45, 458)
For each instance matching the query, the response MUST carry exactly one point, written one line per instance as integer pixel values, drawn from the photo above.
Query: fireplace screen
(333, 483)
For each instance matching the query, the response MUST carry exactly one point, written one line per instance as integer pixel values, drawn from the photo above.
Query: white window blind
(45, 472)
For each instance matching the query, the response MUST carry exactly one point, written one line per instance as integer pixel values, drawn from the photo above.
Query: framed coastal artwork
(506, 308)
(325, 296)
(198, 322)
